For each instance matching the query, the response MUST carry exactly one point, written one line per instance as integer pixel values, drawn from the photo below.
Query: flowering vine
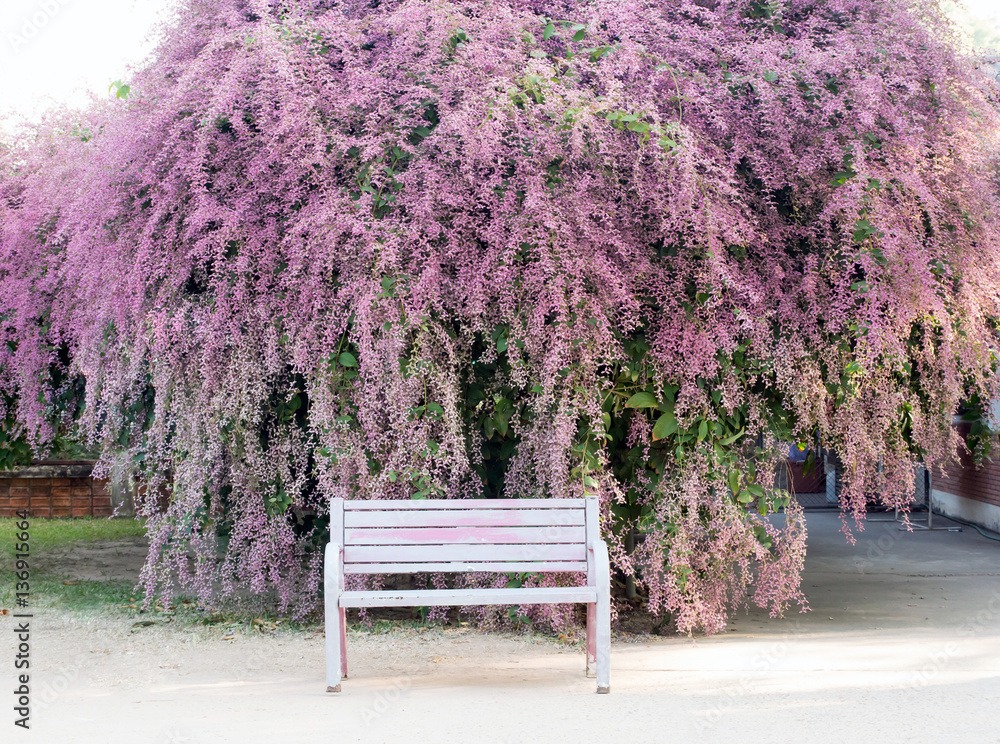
(527, 248)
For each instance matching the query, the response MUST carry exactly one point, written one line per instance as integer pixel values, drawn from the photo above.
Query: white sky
(62, 51)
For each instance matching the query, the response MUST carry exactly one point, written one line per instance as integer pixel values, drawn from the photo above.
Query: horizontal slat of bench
(448, 504)
(466, 518)
(464, 535)
(464, 553)
(465, 597)
(468, 567)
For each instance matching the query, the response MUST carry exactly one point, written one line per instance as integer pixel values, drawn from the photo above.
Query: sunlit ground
(902, 644)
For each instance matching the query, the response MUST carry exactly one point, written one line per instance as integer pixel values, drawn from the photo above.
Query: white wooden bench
(461, 536)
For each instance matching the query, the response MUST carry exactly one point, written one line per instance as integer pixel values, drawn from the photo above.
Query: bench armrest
(333, 570)
(598, 562)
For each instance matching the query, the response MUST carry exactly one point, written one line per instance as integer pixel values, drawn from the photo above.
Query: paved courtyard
(902, 645)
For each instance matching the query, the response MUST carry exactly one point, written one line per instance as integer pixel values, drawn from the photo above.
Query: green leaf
(843, 176)
(347, 359)
(730, 439)
(419, 134)
(580, 32)
(667, 144)
(501, 424)
(120, 89)
(734, 481)
(664, 426)
(878, 256)
(502, 344)
(549, 31)
(702, 430)
(598, 52)
(642, 400)
(863, 229)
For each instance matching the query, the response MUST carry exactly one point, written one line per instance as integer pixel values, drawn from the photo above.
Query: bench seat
(467, 597)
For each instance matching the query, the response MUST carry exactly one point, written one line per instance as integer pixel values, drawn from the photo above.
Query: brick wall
(54, 490)
(965, 480)
(812, 482)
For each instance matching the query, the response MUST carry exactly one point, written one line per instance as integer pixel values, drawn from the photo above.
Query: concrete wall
(978, 512)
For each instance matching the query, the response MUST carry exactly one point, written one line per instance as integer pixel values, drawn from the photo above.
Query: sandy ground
(902, 645)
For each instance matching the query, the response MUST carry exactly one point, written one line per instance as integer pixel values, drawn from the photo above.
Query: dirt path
(97, 561)
(903, 644)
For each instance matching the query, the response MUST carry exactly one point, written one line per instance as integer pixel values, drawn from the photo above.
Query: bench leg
(591, 638)
(603, 612)
(336, 659)
(343, 643)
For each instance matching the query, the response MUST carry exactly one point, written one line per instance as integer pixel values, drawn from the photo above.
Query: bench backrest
(461, 535)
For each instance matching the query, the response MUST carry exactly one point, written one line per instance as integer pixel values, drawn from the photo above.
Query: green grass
(48, 534)
(49, 590)
(52, 592)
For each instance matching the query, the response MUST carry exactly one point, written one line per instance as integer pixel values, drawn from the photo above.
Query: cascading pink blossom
(278, 265)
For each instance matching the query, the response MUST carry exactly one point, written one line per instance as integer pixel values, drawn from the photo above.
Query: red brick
(41, 509)
(60, 501)
(40, 494)
(964, 479)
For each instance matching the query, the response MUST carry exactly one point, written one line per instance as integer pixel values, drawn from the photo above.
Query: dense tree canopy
(533, 248)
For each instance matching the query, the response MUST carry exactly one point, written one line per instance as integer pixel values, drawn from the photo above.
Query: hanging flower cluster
(521, 248)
